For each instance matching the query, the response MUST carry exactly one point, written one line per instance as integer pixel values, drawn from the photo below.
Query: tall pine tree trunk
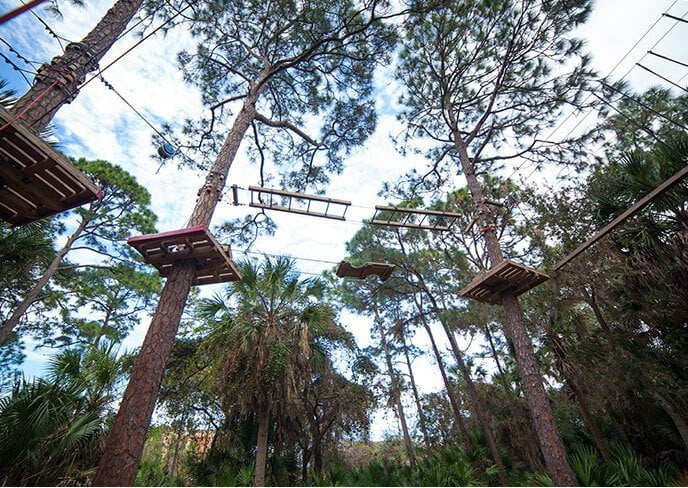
(262, 446)
(57, 82)
(35, 292)
(477, 403)
(421, 416)
(541, 413)
(396, 397)
(448, 386)
(571, 377)
(124, 445)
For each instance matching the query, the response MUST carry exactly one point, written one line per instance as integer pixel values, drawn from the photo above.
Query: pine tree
(291, 58)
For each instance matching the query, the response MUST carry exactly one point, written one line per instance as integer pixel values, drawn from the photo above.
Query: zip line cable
(663, 77)
(118, 58)
(623, 58)
(645, 106)
(668, 58)
(137, 112)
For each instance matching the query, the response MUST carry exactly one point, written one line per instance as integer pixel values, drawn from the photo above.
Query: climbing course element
(299, 203)
(35, 180)
(213, 261)
(346, 270)
(412, 218)
(509, 276)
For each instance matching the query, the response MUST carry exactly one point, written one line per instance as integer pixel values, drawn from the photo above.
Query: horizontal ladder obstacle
(488, 286)
(298, 203)
(35, 180)
(382, 270)
(412, 218)
(213, 261)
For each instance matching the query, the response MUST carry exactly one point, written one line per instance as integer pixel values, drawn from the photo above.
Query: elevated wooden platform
(213, 261)
(298, 203)
(488, 286)
(346, 270)
(413, 218)
(35, 180)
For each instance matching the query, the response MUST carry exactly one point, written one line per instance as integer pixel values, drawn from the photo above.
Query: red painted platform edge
(171, 233)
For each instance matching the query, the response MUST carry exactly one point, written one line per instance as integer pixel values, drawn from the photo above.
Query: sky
(99, 125)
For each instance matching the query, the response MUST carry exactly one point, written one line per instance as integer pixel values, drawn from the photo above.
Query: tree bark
(57, 82)
(124, 445)
(448, 386)
(396, 396)
(478, 407)
(568, 371)
(541, 413)
(32, 296)
(305, 457)
(421, 417)
(262, 446)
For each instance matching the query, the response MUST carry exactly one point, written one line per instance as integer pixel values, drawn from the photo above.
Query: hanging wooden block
(298, 203)
(412, 218)
(346, 270)
(35, 180)
(213, 261)
(509, 276)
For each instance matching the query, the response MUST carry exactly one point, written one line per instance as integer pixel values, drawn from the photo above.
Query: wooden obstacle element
(346, 270)
(213, 261)
(298, 203)
(35, 180)
(412, 218)
(508, 276)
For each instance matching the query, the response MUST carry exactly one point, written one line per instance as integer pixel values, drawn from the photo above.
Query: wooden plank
(302, 196)
(408, 226)
(417, 211)
(630, 212)
(297, 211)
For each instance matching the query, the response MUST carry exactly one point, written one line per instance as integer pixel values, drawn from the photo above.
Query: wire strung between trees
(137, 112)
(645, 106)
(663, 78)
(668, 58)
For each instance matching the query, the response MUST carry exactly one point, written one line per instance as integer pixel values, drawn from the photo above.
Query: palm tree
(51, 429)
(267, 326)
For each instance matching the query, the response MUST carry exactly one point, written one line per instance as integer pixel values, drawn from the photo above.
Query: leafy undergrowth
(451, 466)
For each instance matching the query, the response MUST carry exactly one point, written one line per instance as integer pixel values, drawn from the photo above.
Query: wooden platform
(298, 203)
(414, 218)
(346, 270)
(213, 261)
(488, 286)
(35, 180)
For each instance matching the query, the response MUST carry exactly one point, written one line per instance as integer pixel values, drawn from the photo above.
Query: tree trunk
(305, 457)
(421, 417)
(124, 445)
(396, 396)
(568, 371)
(541, 413)
(448, 386)
(495, 355)
(262, 446)
(477, 403)
(57, 82)
(32, 296)
(317, 454)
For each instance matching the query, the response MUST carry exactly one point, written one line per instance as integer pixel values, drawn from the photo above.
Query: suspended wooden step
(412, 218)
(298, 203)
(213, 261)
(488, 286)
(35, 180)
(346, 270)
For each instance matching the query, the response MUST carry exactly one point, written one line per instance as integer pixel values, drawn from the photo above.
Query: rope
(26, 109)
(13, 13)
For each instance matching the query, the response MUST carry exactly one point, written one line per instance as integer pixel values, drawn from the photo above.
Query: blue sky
(99, 125)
